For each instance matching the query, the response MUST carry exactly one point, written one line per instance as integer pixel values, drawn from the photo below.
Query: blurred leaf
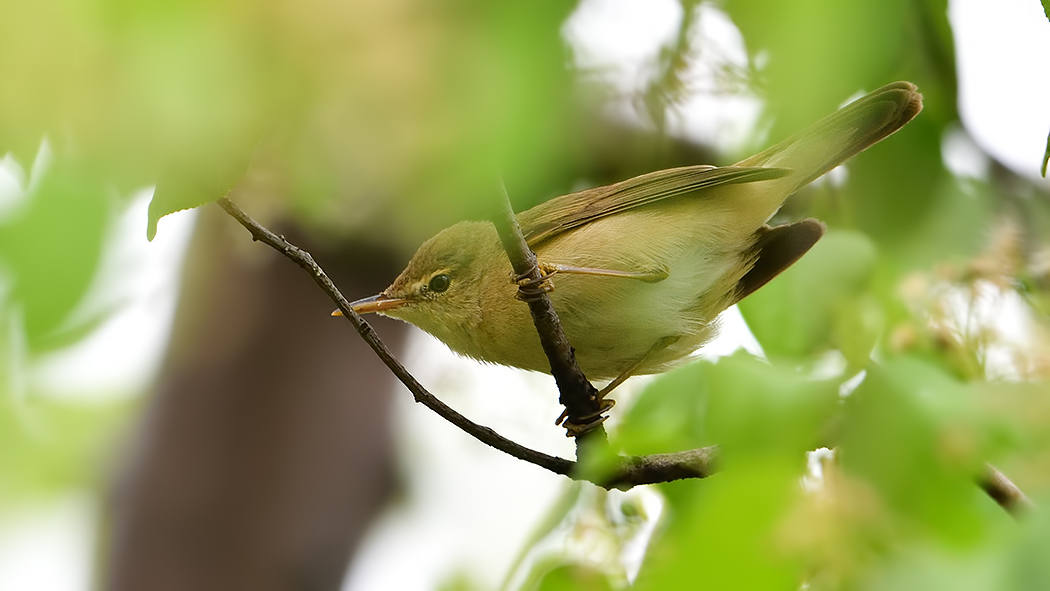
(795, 313)
(719, 533)
(1027, 566)
(50, 250)
(369, 117)
(571, 577)
(893, 188)
(858, 325)
(931, 567)
(742, 403)
(460, 581)
(821, 52)
(1046, 8)
(1012, 560)
(758, 409)
(554, 517)
(722, 528)
(199, 183)
(1016, 415)
(916, 436)
(953, 228)
(1046, 153)
(670, 414)
(933, 42)
(48, 447)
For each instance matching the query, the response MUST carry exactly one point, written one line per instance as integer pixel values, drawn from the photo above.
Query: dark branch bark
(655, 468)
(631, 471)
(421, 395)
(1004, 492)
(577, 395)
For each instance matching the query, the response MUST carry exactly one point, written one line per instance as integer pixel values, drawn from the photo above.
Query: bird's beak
(377, 303)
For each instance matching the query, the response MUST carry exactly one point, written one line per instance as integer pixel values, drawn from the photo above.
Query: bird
(638, 271)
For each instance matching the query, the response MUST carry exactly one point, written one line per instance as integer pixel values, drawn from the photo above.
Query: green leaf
(758, 409)
(176, 196)
(742, 403)
(795, 313)
(670, 414)
(1046, 154)
(202, 179)
(47, 447)
(1026, 561)
(50, 250)
(924, 566)
(858, 325)
(574, 577)
(915, 435)
(723, 532)
(825, 51)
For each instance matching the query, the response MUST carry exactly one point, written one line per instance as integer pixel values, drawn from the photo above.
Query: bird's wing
(576, 209)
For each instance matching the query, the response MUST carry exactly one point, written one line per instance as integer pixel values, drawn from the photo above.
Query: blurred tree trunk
(265, 451)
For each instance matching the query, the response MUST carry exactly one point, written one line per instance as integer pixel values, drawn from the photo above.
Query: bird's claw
(530, 288)
(585, 423)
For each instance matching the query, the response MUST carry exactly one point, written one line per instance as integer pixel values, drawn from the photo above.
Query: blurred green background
(387, 121)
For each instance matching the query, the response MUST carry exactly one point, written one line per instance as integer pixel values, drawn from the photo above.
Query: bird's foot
(530, 288)
(588, 422)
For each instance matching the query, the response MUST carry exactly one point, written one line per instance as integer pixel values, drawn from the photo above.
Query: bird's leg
(548, 269)
(594, 419)
(532, 287)
(648, 275)
(660, 345)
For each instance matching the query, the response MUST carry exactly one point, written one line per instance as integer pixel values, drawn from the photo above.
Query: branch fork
(577, 394)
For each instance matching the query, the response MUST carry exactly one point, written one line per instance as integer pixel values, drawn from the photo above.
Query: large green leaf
(50, 248)
(916, 436)
(795, 314)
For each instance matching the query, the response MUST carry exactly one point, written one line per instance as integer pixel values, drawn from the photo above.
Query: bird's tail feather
(846, 132)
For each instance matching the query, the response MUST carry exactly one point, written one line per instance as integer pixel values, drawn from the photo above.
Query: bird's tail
(846, 132)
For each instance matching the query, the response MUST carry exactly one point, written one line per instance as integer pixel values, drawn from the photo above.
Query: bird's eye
(439, 283)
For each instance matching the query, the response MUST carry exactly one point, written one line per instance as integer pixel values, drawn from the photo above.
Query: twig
(421, 395)
(630, 471)
(1004, 492)
(655, 468)
(577, 395)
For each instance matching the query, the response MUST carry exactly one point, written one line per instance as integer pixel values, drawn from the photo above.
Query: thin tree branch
(656, 468)
(1004, 492)
(630, 470)
(421, 395)
(577, 395)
